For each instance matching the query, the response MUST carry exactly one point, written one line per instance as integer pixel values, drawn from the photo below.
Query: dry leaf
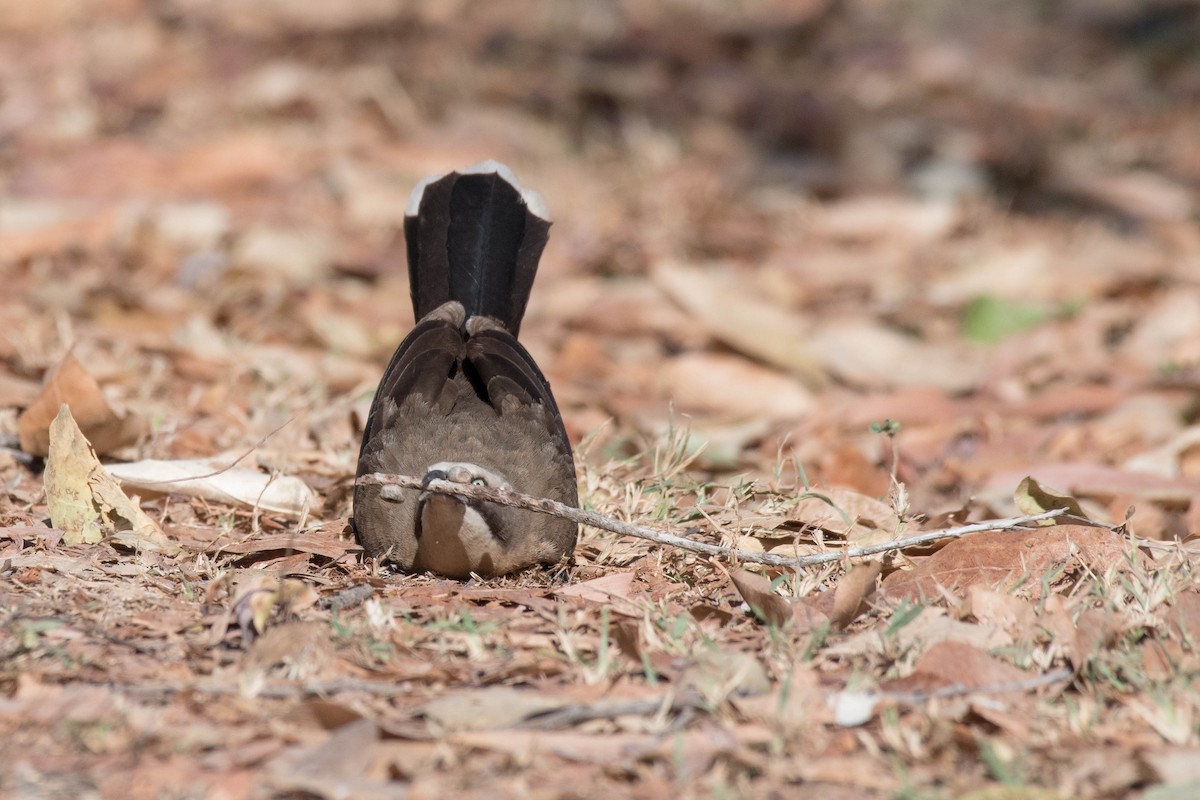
(493, 707)
(68, 383)
(211, 479)
(1007, 612)
(758, 594)
(304, 647)
(725, 384)
(868, 353)
(853, 592)
(956, 664)
(601, 590)
(1098, 480)
(996, 558)
(718, 673)
(1033, 498)
(862, 520)
(85, 503)
(758, 328)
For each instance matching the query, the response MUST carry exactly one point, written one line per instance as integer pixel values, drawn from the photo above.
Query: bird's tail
(475, 236)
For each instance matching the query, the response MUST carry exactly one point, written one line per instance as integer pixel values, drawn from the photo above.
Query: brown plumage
(461, 399)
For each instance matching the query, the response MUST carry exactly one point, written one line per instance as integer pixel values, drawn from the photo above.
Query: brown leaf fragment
(1183, 618)
(702, 612)
(1156, 661)
(1033, 498)
(493, 707)
(808, 615)
(341, 766)
(1174, 765)
(1009, 613)
(327, 546)
(861, 519)
(604, 589)
(764, 603)
(999, 558)
(68, 383)
(627, 634)
(320, 713)
(1093, 631)
(853, 593)
(957, 664)
(718, 673)
(84, 502)
(304, 647)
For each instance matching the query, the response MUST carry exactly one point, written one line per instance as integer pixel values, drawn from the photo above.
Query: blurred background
(776, 223)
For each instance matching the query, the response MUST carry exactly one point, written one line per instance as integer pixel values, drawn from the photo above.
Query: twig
(575, 714)
(507, 497)
(959, 690)
(380, 688)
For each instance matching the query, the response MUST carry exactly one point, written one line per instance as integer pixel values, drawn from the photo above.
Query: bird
(462, 400)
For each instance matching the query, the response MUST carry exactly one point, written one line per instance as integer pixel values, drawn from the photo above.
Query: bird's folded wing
(509, 374)
(419, 372)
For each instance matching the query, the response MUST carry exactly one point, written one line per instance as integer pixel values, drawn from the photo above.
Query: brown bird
(461, 399)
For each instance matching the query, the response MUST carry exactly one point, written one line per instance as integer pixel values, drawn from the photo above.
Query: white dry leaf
(210, 479)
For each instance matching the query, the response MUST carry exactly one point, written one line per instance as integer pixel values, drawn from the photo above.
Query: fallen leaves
(914, 241)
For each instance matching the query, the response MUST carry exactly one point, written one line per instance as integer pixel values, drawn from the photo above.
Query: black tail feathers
(475, 237)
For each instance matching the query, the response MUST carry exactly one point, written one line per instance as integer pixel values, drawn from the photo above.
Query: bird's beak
(436, 475)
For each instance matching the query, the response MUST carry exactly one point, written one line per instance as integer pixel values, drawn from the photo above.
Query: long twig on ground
(959, 690)
(507, 497)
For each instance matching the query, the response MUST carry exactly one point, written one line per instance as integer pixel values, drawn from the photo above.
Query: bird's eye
(478, 481)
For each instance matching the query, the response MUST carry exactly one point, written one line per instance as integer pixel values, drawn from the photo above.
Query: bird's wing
(509, 375)
(419, 373)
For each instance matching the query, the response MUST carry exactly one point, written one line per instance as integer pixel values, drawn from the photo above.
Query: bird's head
(458, 535)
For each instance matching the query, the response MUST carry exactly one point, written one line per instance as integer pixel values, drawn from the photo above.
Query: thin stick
(507, 497)
(959, 690)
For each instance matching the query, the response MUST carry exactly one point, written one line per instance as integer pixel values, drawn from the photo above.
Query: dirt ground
(823, 274)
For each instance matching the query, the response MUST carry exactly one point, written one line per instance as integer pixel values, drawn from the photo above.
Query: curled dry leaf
(84, 502)
(68, 383)
(853, 592)
(1033, 498)
(211, 479)
(758, 594)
